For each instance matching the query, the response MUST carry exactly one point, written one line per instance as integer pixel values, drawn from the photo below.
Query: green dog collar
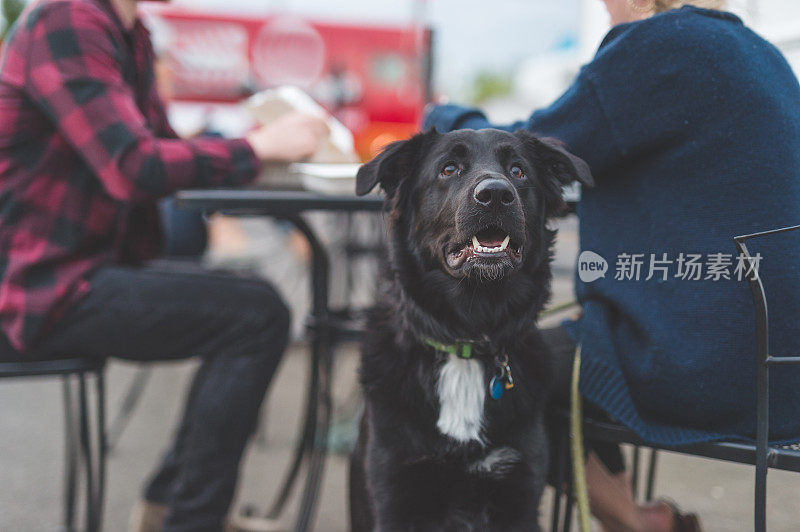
(459, 350)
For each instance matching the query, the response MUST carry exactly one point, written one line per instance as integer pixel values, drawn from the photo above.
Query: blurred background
(373, 64)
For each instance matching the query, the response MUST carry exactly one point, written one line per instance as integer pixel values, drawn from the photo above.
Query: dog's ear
(557, 168)
(552, 157)
(396, 162)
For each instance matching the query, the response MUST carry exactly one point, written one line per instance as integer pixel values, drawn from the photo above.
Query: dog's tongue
(490, 238)
(490, 243)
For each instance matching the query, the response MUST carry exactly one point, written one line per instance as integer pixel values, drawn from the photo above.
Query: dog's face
(475, 202)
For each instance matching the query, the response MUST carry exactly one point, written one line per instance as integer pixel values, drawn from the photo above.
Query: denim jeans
(237, 327)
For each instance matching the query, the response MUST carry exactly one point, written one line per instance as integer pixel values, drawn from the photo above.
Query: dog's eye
(517, 172)
(449, 169)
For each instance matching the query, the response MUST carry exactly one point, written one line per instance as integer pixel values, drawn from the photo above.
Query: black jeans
(562, 349)
(238, 327)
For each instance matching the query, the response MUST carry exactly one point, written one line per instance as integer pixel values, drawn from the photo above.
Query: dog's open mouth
(490, 243)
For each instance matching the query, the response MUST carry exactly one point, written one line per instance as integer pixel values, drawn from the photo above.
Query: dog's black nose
(494, 193)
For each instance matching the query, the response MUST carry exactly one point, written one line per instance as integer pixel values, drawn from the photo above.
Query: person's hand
(291, 137)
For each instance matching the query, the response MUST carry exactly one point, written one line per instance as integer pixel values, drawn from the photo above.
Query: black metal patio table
(290, 206)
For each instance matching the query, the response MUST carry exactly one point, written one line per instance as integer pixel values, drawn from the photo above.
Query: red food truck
(374, 79)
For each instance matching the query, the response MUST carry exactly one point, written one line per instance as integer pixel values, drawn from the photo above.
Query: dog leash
(576, 440)
(501, 381)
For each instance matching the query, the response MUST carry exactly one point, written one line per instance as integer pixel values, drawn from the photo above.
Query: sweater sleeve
(577, 118)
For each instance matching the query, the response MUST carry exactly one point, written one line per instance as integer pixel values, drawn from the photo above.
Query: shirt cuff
(451, 117)
(244, 163)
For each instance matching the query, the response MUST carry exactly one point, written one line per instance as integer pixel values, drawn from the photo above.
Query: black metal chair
(761, 454)
(84, 436)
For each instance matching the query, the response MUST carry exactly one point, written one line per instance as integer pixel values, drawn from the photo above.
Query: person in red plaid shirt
(85, 153)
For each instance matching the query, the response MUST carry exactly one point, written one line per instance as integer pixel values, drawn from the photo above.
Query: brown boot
(147, 517)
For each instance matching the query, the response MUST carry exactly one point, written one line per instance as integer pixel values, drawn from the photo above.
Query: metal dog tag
(496, 387)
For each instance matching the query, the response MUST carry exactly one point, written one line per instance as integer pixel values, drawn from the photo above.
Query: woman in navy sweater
(690, 123)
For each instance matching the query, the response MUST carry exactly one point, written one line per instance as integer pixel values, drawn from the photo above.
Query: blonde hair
(665, 5)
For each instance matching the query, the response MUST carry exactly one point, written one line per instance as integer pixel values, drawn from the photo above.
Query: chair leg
(101, 446)
(302, 447)
(86, 454)
(70, 455)
(762, 448)
(635, 473)
(760, 510)
(570, 504)
(651, 474)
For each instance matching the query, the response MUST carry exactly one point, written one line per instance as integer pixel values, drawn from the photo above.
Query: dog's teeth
(476, 246)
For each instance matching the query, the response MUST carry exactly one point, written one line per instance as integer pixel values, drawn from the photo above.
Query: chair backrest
(759, 296)
(765, 360)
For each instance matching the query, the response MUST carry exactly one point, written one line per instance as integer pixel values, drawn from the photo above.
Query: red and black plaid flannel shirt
(85, 152)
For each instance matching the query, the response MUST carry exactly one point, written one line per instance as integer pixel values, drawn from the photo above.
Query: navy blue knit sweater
(691, 125)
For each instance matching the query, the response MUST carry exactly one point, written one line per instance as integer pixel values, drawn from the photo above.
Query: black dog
(453, 369)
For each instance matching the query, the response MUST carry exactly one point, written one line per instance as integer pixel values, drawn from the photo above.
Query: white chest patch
(461, 396)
